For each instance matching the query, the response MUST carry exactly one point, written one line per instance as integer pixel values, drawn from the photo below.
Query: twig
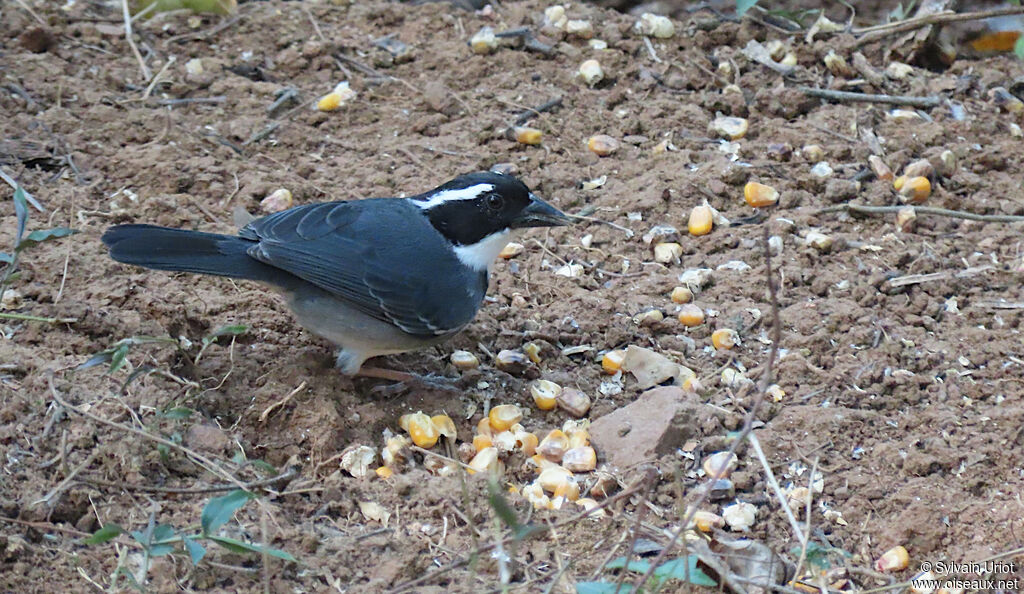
(878, 31)
(916, 279)
(312, 21)
(774, 484)
(44, 526)
(925, 210)
(15, 185)
(280, 403)
(529, 114)
(748, 421)
(67, 480)
(650, 49)
(841, 96)
(629, 232)
(29, 10)
(28, 318)
(156, 78)
(250, 486)
(185, 100)
(146, 74)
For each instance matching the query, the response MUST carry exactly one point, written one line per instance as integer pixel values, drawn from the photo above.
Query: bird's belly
(344, 325)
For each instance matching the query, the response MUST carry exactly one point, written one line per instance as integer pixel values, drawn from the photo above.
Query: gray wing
(372, 265)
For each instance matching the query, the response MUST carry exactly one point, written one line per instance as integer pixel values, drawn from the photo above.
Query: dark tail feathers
(179, 250)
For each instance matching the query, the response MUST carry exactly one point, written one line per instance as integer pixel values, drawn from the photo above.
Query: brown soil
(907, 398)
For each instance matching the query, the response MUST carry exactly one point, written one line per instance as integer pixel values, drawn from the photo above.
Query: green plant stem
(28, 318)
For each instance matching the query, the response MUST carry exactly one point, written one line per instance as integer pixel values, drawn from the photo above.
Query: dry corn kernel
(504, 416)
(511, 250)
(482, 441)
(897, 184)
(483, 41)
(551, 478)
(837, 65)
(612, 361)
(464, 360)
(1006, 100)
(445, 425)
(278, 200)
(545, 393)
(813, 153)
(919, 168)
(394, 452)
(759, 195)
(591, 72)
(895, 559)
(729, 127)
(667, 252)
(882, 171)
(384, 472)
(581, 29)
(579, 438)
(504, 442)
(422, 430)
(483, 427)
(706, 521)
(541, 463)
(690, 315)
(569, 489)
(535, 494)
(916, 190)
(818, 241)
(719, 464)
(527, 442)
(693, 385)
(532, 351)
(336, 98)
(724, 339)
(776, 392)
(648, 318)
(527, 135)
(701, 220)
(654, 25)
(581, 459)
(486, 459)
(905, 219)
(681, 295)
(591, 505)
(602, 145)
(573, 401)
(554, 445)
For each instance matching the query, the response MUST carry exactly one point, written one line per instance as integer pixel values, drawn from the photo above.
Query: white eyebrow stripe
(449, 195)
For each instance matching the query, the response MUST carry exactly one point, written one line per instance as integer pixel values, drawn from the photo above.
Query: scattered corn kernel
(532, 350)
(776, 392)
(570, 490)
(554, 16)
(919, 168)
(731, 378)
(542, 463)
(504, 442)
(895, 559)
(701, 220)
(504, 416)
(729, 127)
(612, 361)
(581, 459)
(605, 485)
(1006, 100)
(384, 472)
(591, 72)
(481, 442)
(483, 427)
(483, 41)
(395, 451)
(690, 315)
(357, 460)
(445, 425)
(692, 385)
(602, 145)
(668, 252)
(653, 25)
(759, 195)
(818, 241)
(579, 28)
(797, 498)
(551, 478)
(341, 95)
(512, 362)
(720, 464)
(573, 401)
(648, 318)
(906, 218)
(724, 339)
(526, 442)
(813, 153)
(511, 250)
(464, 360)
(527, 135)
(278, 200)
(554, 445)
(898, 70)
(837, 65)
(706, 521)
(739, 516)
(578, 437)
(591, 505)
(485, 459)
(898, 183)
(882, 171)
(422, 430)
(544, 393)
(946, 165)
(682, 295)
(916, 190)
(535, 494)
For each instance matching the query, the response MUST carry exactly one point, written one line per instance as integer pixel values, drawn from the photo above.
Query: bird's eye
(494, 202)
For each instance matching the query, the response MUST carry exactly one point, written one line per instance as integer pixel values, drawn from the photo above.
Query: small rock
(210, 438)
(841, 190)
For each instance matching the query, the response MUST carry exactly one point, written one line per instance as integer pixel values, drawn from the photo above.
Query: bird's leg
(386, 374)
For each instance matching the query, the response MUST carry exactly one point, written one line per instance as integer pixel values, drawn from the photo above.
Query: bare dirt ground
(906, 396)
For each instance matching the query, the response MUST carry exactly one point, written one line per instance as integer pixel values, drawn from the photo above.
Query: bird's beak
(540, 214)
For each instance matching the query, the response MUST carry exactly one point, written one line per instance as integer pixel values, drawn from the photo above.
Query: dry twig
(879, 31)
(146, 74)
(844, 96)
(925, 210)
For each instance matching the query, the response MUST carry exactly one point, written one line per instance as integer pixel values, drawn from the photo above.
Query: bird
(376, 276)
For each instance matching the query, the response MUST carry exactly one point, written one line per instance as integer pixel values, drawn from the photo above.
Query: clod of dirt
(656, 423)
(207, 437)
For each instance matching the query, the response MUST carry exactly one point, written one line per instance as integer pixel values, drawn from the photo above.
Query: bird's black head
(474, 207)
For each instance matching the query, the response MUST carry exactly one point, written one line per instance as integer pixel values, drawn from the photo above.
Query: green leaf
(151, 540)
(220, 509)
(6, 258)
(685, 569)
(177, 413)
(196, 552)
(37, 237)
(21, 212)
(620, 563)
(107, 532)
(265, 467)
(240, 546)
(231, 330)
(601, 588)
(1018, 48)
(501, 507)
(117, 357)
(742, 6)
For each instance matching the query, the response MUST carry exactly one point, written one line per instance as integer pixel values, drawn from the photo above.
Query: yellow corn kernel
(445, 425)
(776, 392)
(897, 184)
(464, 360)
(581, 459)
(569, 490)
(589, 504)
(681, 295)
(720, 464)
(545, 393)
(724, 339)
(423, 431)
(551, 478)
(526, 135)
(482, 441)
(667, 252)
(542, 463)
(693, 385)
(485, 459)
(690, 315)
(483, 427)
(916, 190)
(612, 361)
(554, 445)
(532, 351)
(759, 195)
(504, 416)
(602, 145)
(505, 442)
(403, 422)
(526, 442)
(511, 250)
(535, 494)
(384, 472)
(895, 559)
(329, 102)
(882, 171)
(701, 220)
(707, 521)
(578, 438)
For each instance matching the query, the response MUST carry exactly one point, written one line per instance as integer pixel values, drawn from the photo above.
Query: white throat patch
(469, 193)
(482, 254)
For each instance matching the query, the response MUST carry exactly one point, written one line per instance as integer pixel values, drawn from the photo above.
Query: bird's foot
(405, 381)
